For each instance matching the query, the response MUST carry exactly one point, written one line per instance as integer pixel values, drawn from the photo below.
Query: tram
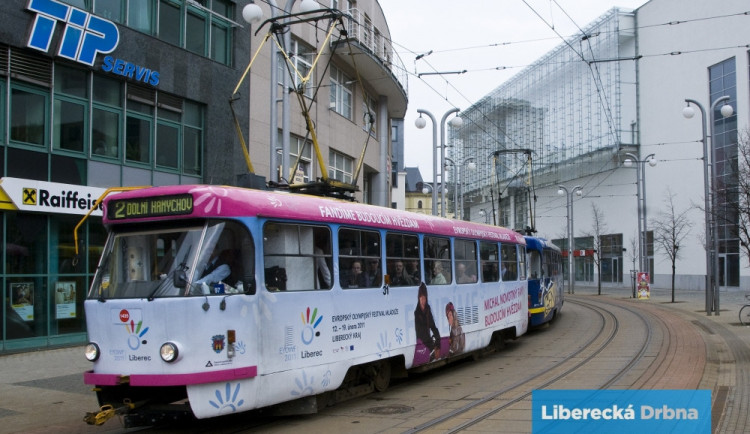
(545, 282)
(213, 300)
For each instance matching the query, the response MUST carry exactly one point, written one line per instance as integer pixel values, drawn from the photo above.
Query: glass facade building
(139, 109)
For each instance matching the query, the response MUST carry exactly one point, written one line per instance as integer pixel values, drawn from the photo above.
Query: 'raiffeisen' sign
(84, 37)
(50, 197)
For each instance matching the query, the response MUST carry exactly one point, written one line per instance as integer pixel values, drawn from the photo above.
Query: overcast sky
(491, 40)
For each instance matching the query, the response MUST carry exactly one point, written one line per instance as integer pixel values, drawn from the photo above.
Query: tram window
(509, 262)
(547, 263)
(227, 243)
(437, 260)
(536, 269)
(159, 261)
(359, 259)
(522, 270)
(489, 258)
(297, 257)
(466, 261)
(402, 258)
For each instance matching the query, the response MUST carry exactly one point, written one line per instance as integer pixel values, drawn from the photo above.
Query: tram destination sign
(146, 207)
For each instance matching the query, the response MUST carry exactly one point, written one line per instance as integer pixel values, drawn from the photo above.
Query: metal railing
(361, 29)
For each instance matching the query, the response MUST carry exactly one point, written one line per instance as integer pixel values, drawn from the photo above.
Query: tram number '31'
(385, 289)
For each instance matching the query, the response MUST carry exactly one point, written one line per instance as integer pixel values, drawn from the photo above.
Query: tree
(633, 256)
(670, 229)
(597, 229)
(738, 199)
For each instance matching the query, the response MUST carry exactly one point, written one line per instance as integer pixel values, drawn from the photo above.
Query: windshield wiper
(180, 275)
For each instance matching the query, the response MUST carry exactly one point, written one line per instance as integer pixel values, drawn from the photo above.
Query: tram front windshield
(158, 263)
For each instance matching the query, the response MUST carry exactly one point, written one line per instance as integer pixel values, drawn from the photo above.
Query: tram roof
(211, 201)
(538, 243)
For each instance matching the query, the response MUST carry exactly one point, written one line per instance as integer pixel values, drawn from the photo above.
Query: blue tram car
(545, 280)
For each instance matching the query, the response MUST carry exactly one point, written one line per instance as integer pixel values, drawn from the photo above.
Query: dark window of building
(141, 15)
(113, 10)
(106, 127)
(191, 160)
(69, 131)
(220, 47)
(28, 116)
(137, 139)
(195, 32)
(68, 170)
(167, 139)
(169, 22)
(105, 133)
(26, 243)
(27, 164)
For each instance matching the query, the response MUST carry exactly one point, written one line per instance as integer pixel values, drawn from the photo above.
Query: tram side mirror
(179, 279)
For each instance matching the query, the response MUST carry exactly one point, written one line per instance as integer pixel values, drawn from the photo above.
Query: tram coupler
(107, 412)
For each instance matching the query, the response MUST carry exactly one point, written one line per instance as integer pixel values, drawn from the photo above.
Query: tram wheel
(382, 376)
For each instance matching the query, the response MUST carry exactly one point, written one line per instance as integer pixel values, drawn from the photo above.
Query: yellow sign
(29, 196)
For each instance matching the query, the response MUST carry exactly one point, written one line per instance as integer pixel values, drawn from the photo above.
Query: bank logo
(29, 196)
(84, 35)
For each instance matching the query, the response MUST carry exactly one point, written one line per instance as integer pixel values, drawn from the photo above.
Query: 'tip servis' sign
(84, 37)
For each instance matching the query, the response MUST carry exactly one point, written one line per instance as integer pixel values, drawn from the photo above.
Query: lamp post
(426, 188)
(458, 208)
(640, 185)
(569, 194)
(420, 123)
(483, 212)
(712, 235)
(252, 13)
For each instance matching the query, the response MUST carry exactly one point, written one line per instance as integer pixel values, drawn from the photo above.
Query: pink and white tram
(315, 294)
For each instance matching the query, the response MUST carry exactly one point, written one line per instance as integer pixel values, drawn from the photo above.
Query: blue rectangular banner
(621, 411)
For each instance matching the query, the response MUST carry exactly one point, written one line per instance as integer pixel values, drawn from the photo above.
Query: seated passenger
(372, 275)
(399, 276)
(354, 277)
(437, 274)
(462, 276)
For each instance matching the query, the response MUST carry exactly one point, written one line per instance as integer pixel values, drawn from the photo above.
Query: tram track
(574, 361)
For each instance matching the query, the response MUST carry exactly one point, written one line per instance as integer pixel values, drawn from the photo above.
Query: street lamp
(712, 235)
(420, 123)
(458, 208)
(640, 185)
(483, 213)
(426, 188)
(564, 191)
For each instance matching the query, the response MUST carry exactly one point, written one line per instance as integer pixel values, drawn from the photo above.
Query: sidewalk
(688, 300)
(727, 369)
(43, 392)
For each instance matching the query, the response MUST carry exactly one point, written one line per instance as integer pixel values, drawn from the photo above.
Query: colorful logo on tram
(217, 343)
(136, 333)
(310, 325)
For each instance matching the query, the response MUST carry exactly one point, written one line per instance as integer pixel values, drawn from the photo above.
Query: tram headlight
(169, 352)
(91, 351)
